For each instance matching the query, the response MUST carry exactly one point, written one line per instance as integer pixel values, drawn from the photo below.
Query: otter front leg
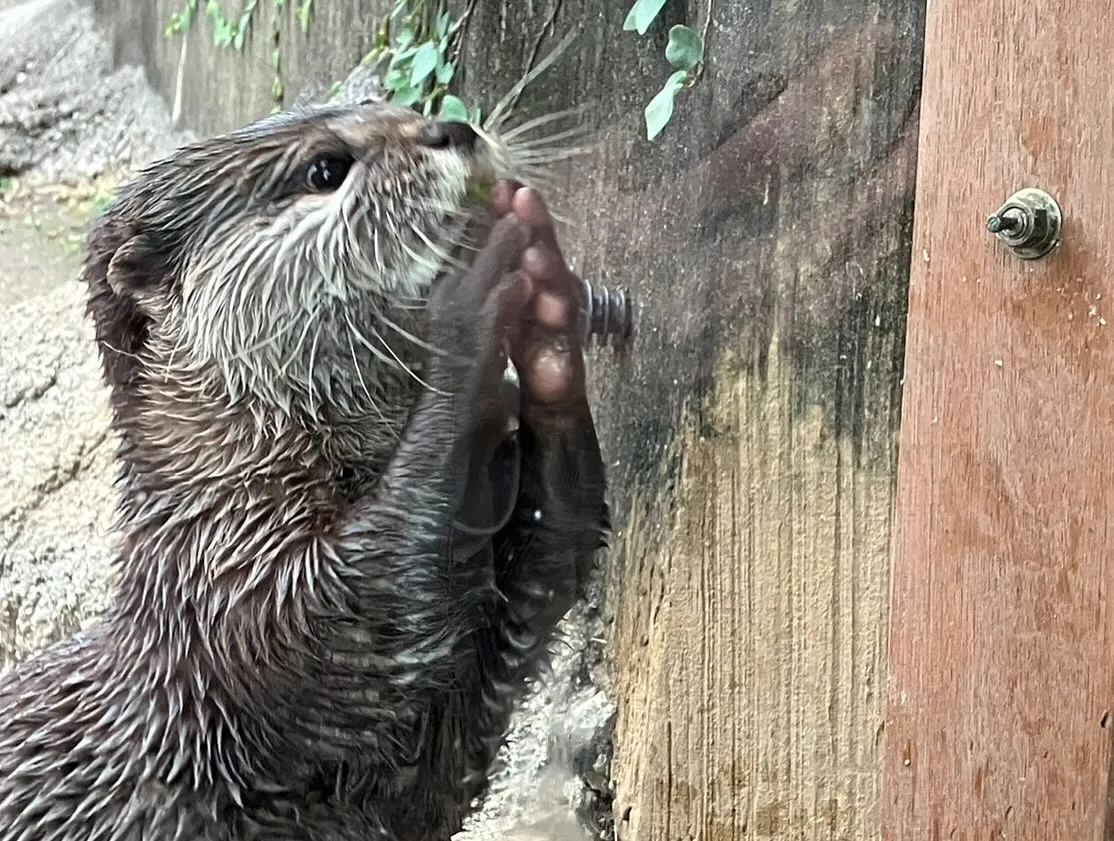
(560, 518)
(558, 522)
(410, 608)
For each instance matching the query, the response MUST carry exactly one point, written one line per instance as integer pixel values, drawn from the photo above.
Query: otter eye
(327, 173)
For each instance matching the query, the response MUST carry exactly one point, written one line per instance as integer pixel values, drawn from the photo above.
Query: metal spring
(609, 315)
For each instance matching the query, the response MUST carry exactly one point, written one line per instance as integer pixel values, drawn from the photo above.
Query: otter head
(283, 266)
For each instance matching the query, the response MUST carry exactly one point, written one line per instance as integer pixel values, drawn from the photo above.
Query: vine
(684, 52)
(417, 47)
(418, 41)
(232, 32)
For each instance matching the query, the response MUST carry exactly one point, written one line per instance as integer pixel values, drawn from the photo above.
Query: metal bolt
(609, 315)
(1029, 223)
(1007, 222)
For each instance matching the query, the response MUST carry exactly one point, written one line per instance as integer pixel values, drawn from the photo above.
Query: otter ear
(136, 267)
(121, 272)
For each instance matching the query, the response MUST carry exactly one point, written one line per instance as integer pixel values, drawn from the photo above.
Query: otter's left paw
(548, 350)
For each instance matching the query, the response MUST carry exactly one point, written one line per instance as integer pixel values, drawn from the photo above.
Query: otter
(343, 551)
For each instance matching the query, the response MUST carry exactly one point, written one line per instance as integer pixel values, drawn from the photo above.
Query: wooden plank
(1000, 632)
(752, 431)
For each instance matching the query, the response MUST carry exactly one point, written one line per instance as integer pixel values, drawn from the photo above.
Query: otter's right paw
(474, 315)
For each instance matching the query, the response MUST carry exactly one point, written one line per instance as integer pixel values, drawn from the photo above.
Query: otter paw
(547, 349)
(473, 313)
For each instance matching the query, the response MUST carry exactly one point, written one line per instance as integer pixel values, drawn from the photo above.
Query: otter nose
(447, 135)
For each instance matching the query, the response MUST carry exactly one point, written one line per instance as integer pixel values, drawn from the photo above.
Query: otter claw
(512, 396)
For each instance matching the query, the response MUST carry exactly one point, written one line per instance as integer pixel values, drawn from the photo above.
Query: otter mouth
(486, 163)
(484, 169)
(479, 188)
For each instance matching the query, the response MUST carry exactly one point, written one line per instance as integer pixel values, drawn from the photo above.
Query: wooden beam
(1001, 691)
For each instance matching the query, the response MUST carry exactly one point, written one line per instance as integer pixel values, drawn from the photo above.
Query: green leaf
(406, 96)
(222, 33)
(334, 89)
(660, 109)
(303, 14)
(685, 49)
(477, 116)
(453, 109)
(445, 73)
(442, 27)
(405, 37)
(642, 14)
(246, 11)
(401, 60)
(183, 20)
(401, 57)
(425, 62)
(396, 80)
(177, 24)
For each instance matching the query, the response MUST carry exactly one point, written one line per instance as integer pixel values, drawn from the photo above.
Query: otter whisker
(548, 159)
(441, 254)
(311, 321)
(422, 260)
(371, 400)
(552, 144)
(509, 136)
(402, 364)
(506, 104)
(376, 352)
(457, 239)
(422, 343)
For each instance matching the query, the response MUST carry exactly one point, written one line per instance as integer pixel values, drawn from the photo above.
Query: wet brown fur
(302, 646)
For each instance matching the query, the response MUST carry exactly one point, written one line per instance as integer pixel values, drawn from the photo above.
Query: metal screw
(609, 315)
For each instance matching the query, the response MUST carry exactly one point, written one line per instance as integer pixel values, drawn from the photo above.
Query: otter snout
(448, 135)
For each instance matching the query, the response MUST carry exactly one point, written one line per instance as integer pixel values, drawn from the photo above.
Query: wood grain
(1000, 632)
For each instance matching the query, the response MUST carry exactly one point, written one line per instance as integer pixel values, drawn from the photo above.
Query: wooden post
(1001, 659)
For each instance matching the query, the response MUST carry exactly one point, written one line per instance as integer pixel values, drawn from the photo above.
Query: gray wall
(223, 88)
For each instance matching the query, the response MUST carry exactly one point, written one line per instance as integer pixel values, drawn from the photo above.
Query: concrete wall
(222, 88)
